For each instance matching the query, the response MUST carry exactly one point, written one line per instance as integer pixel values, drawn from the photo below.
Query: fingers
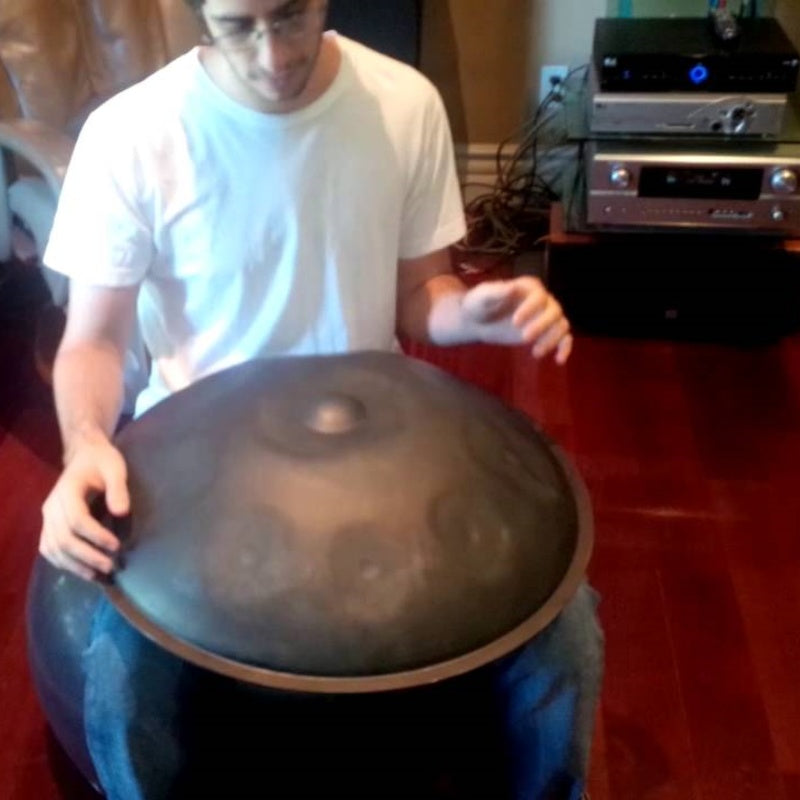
(76, 514)
(549, 318)
(520, 311)
(63, 561)
(564, 349)
(75, 556)
(115, 477)
(71, 537)
(556, 338)
(533, 299)
(543, 324)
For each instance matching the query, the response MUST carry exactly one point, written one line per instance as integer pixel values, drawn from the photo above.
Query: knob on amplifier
(784, 181)
(620, 177)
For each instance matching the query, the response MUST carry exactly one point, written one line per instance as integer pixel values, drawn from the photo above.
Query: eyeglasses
(245, 34)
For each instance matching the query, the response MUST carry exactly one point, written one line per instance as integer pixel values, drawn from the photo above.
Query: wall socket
(549, 73)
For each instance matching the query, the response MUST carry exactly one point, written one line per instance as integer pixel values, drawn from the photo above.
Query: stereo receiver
(753, 188)
(684, 54)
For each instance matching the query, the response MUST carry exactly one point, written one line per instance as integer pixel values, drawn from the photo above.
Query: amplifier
(683, 54)
(636, 184)
(703, 113)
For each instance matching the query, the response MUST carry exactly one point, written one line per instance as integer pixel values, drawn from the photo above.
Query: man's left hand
(518, 312)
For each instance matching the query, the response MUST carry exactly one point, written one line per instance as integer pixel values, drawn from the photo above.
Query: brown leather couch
(60, 59)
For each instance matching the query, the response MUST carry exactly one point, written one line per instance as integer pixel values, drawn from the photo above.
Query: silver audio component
(674, 185)
(685, 112)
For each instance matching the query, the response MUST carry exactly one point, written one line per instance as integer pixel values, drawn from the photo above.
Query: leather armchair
(60, 59)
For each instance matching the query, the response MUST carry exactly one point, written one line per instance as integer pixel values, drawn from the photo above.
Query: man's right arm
(88, 385)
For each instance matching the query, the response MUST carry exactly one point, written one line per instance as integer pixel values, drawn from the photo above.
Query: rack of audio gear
(689, 125)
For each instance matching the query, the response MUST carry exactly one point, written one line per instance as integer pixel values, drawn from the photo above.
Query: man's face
(271, 45)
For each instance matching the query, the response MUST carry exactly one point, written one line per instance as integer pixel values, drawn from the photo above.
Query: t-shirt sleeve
(433, 215)
(100, 234)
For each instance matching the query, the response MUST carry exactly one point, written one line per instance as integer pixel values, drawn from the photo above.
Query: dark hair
(195, 5)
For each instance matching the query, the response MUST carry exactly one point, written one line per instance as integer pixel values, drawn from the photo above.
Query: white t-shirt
(257, 234)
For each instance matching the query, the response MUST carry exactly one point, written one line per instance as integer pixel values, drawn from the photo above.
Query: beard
(288, 84)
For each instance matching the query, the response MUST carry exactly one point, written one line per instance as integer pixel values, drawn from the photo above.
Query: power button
(698, 74)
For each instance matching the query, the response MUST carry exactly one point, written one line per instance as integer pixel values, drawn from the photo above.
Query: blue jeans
(158, 727)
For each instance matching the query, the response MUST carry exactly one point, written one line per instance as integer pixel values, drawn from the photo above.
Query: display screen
(702, 183)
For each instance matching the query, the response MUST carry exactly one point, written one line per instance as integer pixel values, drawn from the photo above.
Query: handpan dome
(345, 524)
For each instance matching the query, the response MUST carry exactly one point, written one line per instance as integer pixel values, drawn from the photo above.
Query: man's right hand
(71, 537)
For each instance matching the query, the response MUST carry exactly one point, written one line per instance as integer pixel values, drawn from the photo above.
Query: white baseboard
(477, 166)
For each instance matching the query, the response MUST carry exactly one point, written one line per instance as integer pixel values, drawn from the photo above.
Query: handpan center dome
(334, 414)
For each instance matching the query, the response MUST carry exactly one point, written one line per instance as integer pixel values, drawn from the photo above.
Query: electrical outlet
(550, 75)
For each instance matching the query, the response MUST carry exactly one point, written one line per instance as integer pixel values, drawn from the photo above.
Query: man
(278, 191)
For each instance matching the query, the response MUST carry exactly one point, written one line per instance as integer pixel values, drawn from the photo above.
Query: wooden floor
(691, 452)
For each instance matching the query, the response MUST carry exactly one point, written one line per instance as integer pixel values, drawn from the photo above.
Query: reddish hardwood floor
(691, 453)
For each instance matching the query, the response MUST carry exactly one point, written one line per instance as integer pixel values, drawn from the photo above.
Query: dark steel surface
(345, 524)
(59, 614)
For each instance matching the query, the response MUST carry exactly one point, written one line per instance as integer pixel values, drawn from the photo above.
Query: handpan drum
(344, 524)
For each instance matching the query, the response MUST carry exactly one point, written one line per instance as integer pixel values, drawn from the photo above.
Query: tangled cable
(513, 215)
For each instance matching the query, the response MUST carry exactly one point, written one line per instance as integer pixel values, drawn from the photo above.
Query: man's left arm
(434, 305)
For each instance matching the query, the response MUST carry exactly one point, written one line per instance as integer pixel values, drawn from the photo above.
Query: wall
(561, 32)
(485, 56)
(788, 12)
(477, 53)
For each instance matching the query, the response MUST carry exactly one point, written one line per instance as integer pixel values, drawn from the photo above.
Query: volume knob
(784, 181)
(620, 177)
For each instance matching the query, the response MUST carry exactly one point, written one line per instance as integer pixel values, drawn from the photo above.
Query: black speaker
(701, 287)
(390, 26)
